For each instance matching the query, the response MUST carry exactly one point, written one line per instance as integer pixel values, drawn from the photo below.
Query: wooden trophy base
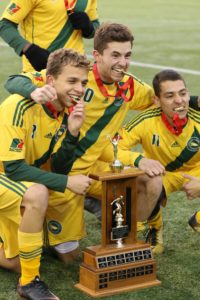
(111, 270)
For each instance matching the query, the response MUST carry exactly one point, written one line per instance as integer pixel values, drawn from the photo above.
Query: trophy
(116, 166)
(121, 263)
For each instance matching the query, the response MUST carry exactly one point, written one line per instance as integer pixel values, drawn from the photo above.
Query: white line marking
(152, 66)
(149, 66)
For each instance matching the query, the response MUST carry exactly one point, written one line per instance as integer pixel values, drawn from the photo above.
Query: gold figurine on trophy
(116, 166)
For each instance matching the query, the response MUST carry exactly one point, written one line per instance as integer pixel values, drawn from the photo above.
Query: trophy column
(121, 262)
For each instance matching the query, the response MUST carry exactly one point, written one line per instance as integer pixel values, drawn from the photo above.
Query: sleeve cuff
(136, 162)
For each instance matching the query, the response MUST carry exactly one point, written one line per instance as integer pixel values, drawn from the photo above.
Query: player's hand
(192, 186)
(76, 118)
(151, 167)
(44, 94)
(80, 20)
(37, 56)
(79, 184)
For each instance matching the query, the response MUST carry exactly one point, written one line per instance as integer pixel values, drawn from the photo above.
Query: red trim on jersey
(178, 123)
(120, 88)
(52, 109)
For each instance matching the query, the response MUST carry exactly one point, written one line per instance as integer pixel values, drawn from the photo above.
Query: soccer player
(30, 133)
(169, 135)
(46, 26)
(108, 98)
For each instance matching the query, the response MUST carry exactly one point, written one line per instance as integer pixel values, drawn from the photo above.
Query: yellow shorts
(11, 194)
(173, 181)
(65, 213)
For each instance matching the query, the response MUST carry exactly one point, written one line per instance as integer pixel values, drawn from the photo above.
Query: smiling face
(71, 82)
(173, 99)
(115, 57)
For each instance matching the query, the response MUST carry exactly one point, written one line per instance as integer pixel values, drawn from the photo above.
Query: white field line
(148, 66)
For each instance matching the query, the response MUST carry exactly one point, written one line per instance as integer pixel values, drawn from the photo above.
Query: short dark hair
(62, 57)
(111, 32)
(165, 75)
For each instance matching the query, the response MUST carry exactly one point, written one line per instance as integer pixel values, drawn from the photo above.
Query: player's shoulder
(194, 115)
(15, 106)
(146, 117)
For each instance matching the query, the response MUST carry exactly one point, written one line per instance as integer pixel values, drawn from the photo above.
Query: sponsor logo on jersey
(38, 76)
(175, 144)
(155, 140)
(13, 8)
(193, 144)
(49, 135)
(16, 145)
(54, 227)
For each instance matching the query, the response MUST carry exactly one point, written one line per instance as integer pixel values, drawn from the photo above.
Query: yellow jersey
(46, 23)
(176, 153)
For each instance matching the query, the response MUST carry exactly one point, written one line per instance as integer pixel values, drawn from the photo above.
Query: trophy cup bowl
(116, 166)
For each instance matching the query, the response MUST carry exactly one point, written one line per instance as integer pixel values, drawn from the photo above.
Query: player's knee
(36, 197)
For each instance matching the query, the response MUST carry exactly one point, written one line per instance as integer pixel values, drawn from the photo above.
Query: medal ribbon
(69, 7)
(52, 109)
(120, 88)
(178, 123)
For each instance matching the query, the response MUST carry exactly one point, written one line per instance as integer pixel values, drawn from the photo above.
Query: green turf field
(166, 34)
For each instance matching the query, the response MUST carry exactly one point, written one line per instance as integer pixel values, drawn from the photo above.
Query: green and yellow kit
(177, 153)
(46, 23)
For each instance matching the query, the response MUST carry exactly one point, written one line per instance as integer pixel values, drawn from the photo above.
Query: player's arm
(132, 134)
(36, 55)
(25, 85)
(10, 34)
(64, 154)
(19, 170)
(63, 159)
(86, 21)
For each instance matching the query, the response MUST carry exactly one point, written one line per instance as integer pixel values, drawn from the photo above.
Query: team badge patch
(38, 76)
(54, 227)
(16, 145)
(13, 8)
(193, 144)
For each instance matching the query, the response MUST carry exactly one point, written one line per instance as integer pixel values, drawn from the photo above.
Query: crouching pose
(169, 135)
(28, 190)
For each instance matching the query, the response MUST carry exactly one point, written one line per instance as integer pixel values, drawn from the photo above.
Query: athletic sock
(156, 221)
(30, 249)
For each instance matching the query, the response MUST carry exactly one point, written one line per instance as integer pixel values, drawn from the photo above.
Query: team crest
(60, 132)
(16, 145)
(193, 144)
(13, 8)
(38, 76)
(54, 227)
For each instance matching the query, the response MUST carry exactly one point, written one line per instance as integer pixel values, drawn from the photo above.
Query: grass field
(166, 34)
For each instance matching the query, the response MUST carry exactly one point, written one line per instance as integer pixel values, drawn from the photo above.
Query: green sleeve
(63, 159)
(193, 103)
(10, 34)
(19, 84)
(19, 170)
